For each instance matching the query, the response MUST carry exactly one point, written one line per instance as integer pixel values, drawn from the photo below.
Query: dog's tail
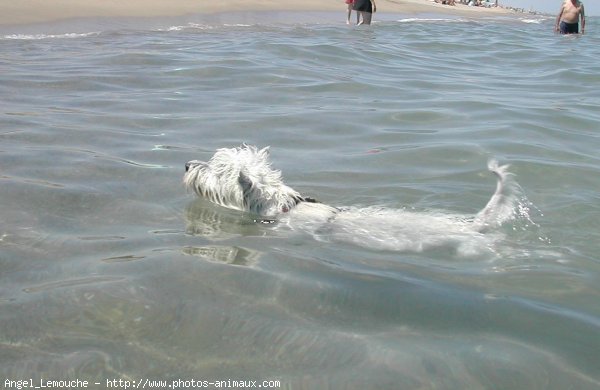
(502, 206)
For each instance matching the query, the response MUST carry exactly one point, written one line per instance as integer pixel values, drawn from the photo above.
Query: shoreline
(25, 12)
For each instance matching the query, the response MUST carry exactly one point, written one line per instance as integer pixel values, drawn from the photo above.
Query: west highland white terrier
(242, 178)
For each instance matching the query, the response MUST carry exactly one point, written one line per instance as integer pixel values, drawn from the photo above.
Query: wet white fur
(241, 179)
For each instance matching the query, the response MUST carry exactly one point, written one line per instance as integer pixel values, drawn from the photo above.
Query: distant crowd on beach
(567, 21)
(471, 3)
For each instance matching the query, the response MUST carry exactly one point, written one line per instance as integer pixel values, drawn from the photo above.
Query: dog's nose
(187, 166)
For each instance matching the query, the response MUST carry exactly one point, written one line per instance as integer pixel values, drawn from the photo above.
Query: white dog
(242, 178)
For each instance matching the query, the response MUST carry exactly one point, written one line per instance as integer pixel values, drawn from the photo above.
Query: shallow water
(109, 269)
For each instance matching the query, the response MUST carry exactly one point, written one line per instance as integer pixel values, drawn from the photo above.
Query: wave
(196, 26)
(432, 20)
(531, 21)
(33, 37)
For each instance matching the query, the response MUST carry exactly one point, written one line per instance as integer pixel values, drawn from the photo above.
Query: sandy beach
(39, 11)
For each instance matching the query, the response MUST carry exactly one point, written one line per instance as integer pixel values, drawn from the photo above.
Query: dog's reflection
(215, 223)
(224, 254)
(208, 220)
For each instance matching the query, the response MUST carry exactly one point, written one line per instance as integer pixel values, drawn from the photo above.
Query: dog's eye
(192, 164)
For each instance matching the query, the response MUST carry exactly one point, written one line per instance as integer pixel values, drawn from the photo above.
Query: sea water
(110, 271)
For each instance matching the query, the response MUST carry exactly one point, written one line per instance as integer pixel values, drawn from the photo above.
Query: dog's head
(241, 178)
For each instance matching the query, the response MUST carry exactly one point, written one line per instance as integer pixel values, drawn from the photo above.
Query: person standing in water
(350, 5)
(567, 21)
(365, 9)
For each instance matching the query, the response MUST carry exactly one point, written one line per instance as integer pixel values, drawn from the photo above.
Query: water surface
(109, 269)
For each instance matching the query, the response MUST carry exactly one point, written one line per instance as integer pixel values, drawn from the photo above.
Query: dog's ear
(246, 184)
(244, 180)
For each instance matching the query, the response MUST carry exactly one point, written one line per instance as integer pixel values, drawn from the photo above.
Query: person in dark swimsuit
(569, 28)
(365, 9)
(567, 21)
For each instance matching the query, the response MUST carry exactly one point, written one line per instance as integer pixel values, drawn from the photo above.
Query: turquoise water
(110, 270)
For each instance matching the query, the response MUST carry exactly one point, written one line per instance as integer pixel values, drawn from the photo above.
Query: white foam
(430, 20)
(196, 26)
(50, 36)
(531, 21)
